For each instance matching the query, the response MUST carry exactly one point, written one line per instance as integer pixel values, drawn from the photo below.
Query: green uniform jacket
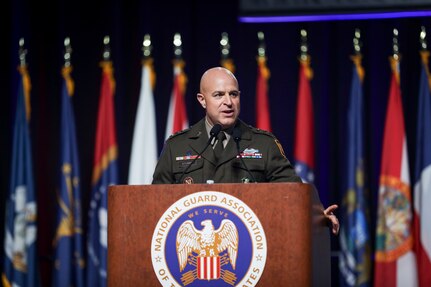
(262, 154)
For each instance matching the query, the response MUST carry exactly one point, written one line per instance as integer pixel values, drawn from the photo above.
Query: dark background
(44, 27)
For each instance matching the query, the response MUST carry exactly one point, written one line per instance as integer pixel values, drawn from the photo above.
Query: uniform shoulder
(261, 132)
(268, 137)
(177, 134)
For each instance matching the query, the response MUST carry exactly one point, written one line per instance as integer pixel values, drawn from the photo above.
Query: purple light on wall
(334, 17)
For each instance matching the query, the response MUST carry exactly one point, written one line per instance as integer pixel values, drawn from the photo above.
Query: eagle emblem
(202, 249)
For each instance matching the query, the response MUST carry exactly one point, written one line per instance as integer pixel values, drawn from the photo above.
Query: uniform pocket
(189, 168)
(255, 166)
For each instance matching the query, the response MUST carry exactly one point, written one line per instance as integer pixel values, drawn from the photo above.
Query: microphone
(213, 134)
(236, 134)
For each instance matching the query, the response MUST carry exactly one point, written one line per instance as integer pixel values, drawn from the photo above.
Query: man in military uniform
(261, 152)
(240, 153)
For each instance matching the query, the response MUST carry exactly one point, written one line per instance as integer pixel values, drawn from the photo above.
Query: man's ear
(201, 100)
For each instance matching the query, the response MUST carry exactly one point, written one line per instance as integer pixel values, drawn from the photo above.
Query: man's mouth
(228, 113)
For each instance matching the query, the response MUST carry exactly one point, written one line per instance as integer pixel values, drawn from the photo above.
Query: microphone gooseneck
(236, 134)
(213, 134)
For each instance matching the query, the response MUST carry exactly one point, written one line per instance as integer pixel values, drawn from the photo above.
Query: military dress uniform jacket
(261, 152)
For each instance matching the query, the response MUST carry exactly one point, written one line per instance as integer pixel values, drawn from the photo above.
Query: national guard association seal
(208, 238)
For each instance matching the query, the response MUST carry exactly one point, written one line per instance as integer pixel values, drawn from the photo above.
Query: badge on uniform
(280, 148)
(188, 180)
(250, 153)
(188, 156)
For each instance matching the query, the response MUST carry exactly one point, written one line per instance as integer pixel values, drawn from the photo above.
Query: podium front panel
(290, 214)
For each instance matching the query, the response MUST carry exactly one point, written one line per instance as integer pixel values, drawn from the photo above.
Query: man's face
(220, 97)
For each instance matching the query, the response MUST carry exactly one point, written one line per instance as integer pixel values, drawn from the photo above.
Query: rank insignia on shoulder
(250, 153)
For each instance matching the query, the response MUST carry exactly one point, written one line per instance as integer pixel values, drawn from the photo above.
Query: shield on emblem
(208, 268)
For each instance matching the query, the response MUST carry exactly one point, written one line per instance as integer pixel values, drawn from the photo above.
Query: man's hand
(329, 214)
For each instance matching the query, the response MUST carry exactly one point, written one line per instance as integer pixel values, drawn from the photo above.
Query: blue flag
(354, 230)
(20, 260)
(105, 173)
(68, 246)
(422, 179)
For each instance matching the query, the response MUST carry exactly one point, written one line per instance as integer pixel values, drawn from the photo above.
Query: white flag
(143, 157)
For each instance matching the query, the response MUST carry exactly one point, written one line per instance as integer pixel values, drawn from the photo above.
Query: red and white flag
(177, 115)
(395, 262)
(263, 120)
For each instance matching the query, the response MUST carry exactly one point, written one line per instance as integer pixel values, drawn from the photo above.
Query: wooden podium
(297, 235)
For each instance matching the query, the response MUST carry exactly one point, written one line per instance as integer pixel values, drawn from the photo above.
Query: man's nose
(227, 100)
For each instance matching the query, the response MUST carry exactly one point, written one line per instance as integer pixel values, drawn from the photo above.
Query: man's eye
(234, 94)
(218, 95)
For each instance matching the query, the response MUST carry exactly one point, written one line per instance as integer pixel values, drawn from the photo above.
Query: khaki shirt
(261, 152)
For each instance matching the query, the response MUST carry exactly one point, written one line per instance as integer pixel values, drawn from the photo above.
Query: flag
(355, 261)
(422, 188)
(20, 266)
(143, 157)
(177, 114)
(68, 245)
(228, 64)
(304, 132)
(394, 258)
(263, 120)
(105, 173)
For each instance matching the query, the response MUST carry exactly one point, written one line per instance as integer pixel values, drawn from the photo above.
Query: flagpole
(226, 60)
(395, 263)
(177, 113)
(304, 125)
(263, 118)
(143, 156)
(105, 173)
(68, 269)
(422, 178)
(20, 264)
(355, 259)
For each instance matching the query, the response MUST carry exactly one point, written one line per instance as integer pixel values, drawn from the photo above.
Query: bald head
(219, 96)
(215, 74)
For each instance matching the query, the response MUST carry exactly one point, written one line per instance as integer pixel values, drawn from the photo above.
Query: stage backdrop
(200, 24)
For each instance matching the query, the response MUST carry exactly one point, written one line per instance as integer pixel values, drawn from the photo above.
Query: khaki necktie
(219, 148)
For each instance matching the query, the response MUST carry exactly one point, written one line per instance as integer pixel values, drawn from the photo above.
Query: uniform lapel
(230, 151)
(198, 140)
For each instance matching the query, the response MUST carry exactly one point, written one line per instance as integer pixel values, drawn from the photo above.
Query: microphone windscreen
(215, 130)
(236, 134)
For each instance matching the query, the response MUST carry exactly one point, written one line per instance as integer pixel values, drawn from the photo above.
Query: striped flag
(394, 258)
(304, 132)
(355, 261)
(208, 268)
(422, 188)
(263, 120)
(177, 114)
(143, 157)
(20, 266)
(68, 246)
(105, 173)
